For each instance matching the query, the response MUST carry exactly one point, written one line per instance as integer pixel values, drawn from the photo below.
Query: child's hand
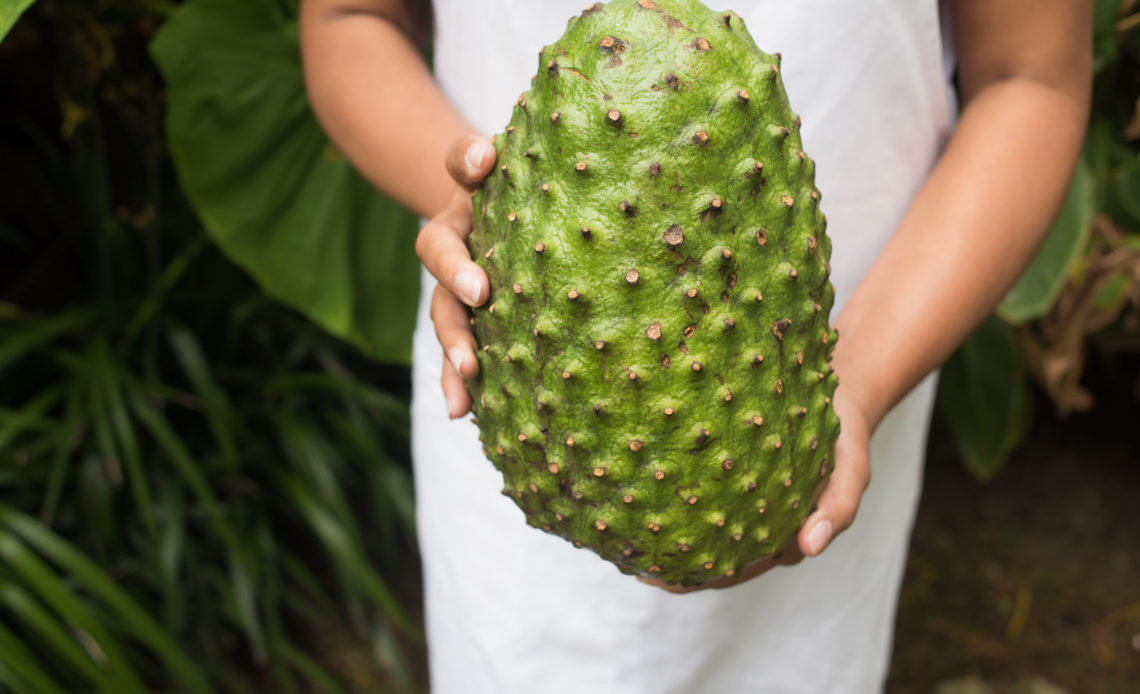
(442, 246)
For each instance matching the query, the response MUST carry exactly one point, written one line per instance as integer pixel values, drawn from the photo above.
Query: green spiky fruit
(655, 352)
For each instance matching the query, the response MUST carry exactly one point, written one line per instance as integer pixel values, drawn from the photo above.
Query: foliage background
(195, 481)
(204, 479)
(1081, 295)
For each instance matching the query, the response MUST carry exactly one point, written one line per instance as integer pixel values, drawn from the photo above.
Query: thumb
(469, 160)
(840, 500)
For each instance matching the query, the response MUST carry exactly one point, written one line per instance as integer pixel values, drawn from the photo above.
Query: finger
(469, 160)
(840, 500)
(454, 392)
(442, 247)
(453, 330)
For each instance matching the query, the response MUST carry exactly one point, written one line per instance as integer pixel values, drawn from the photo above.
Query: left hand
(837, 505)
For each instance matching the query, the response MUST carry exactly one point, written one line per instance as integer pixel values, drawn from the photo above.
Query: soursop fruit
(655, 351)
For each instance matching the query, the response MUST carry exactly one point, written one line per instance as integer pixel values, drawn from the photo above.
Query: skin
(1025, 72)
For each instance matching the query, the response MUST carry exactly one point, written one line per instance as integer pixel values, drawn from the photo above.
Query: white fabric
(511, 609)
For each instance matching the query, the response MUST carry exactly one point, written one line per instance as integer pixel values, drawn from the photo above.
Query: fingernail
(455, 356)
(476, 153)
(450, 406)
(469, 285)
(819, 537)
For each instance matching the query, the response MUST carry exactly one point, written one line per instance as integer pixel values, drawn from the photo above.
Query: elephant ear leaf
(267, 184)
(986, 400)
(1042, 281)
(10, 11)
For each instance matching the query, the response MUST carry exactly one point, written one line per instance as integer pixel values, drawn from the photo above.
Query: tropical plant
(198, 487)
(274, 193)
(1082, 288)
(1082, 291)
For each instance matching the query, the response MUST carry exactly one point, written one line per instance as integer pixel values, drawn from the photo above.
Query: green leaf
(985, 397)
(246, 598)
(267, 184)
(1043, 280)
(1114, 293)
(108, 398)
(1127, 189)
(187, 466)
(72, 428)
(389, 410)
(64, 647)
(171, 553)
(39, 578)
(178, 454)
(21, 340)
(346, 554)
(125, 613)
(309, 599)
(215, 403)
(1105, 47)
(389, 651)
(10, 11)
(31, 416)
(321, 680)
(16, 656)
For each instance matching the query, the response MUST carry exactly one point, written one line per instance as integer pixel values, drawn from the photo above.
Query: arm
(1025, 72)
(376, 99)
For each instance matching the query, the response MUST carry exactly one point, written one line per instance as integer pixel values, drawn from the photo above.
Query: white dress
(513, 610)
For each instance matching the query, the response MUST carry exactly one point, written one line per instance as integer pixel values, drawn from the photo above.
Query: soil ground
(1036, 573)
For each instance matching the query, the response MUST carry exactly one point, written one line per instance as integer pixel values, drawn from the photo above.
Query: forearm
(969, 233)
(376, 99)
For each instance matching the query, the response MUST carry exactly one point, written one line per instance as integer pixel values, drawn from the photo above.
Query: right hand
(442, 246)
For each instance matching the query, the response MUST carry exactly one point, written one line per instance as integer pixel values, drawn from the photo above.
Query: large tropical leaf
(986, 399)
(10, 11)
(267, 184)
(1040, 284)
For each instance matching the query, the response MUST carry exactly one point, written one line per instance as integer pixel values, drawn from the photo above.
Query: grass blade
(319, 462)
(21, 661)
(187, 467)
(15, 684)
(243, 590)
(346, 555)
(106, 373)
(215, 404)
(73, 427)
(388, 410)
(34, 616)
(51, 589)
(128, 614)
(31, 416)
(309, 600)
(178, 455)
(321, 680)
(30, 337)
(96, 405)
(171, 546)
